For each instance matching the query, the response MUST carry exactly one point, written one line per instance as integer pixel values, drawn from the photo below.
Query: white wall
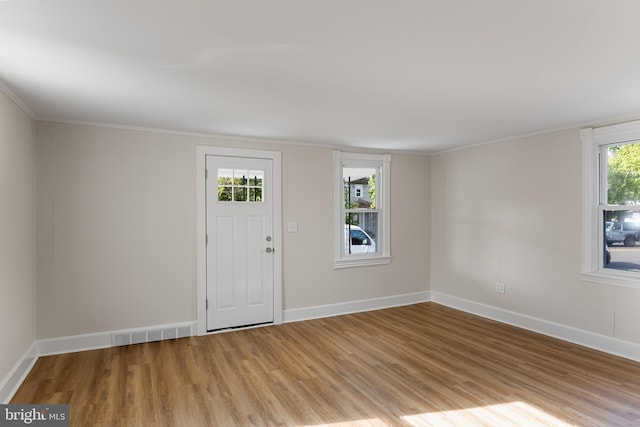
(17, 234)
(116, 229)
(511, 212)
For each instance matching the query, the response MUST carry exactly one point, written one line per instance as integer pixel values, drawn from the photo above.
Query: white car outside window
(360, 242)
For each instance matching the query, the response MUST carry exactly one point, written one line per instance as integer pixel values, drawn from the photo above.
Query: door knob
(269, 250)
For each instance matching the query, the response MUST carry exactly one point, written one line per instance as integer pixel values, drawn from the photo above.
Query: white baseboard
(615, 346)
(329, 310)
(18, 373)
(72, 344)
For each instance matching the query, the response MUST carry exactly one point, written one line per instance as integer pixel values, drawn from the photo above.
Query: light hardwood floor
(417, 365)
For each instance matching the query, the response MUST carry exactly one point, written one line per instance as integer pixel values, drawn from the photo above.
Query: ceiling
(423, 75)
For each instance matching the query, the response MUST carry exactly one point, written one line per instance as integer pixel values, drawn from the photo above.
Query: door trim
(201, 227)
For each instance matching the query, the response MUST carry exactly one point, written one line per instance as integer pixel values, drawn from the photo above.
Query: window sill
(360, 262)
(627, 280)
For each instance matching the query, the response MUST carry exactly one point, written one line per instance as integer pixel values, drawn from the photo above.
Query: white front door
(239, 249)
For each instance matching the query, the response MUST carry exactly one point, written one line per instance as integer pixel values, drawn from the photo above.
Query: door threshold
(235, 328)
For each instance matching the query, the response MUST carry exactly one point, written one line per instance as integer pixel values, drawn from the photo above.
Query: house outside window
(611, 204)
(361, 209)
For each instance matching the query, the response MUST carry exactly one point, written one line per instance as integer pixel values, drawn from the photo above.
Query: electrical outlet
(500, 288)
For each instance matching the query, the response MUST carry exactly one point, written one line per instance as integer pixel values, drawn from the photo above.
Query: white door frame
(208, 150)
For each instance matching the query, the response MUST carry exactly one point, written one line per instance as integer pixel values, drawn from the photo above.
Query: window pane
(360, 232)
(621, 235)
(623, 174)
(622, 226)
(359, 187)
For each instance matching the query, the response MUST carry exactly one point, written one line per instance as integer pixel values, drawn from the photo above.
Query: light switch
(292, 227)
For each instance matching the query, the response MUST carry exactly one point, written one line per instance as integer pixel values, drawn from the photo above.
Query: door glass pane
(256, 178)
(239, 194)
(240, 185)
(256, 182)
(225, 189)
(255, 194)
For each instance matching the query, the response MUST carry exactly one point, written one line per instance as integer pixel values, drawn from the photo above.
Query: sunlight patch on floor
(370, 422)
(503, 414)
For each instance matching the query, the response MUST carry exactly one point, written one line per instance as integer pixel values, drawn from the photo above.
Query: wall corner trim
(604, 343)
(18, 373)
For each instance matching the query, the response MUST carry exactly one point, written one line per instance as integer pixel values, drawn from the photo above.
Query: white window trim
(383, 256)
(592, 250)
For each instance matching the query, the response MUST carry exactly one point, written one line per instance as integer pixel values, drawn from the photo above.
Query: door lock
(269, 250)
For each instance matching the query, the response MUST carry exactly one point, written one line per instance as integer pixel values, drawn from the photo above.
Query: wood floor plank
(423, 364)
